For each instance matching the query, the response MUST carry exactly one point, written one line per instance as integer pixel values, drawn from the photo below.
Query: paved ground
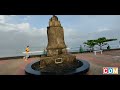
(107, 59)
(14, 66)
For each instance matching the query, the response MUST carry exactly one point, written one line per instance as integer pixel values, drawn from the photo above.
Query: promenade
(97, 62)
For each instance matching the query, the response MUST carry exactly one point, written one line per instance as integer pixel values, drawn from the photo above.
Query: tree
(81, 49)
(102, 41)
(91, 44)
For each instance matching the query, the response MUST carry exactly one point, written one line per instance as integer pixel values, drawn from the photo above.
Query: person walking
(27, 53)
(108, 47)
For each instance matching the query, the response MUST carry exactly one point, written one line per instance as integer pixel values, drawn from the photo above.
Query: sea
(10, 52)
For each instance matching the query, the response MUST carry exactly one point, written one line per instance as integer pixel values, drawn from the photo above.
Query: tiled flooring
(97, 62)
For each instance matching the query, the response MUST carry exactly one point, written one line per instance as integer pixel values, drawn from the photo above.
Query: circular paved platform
(108, 58)
(81, 70)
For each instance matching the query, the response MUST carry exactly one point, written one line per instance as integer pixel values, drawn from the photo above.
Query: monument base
(58, 63)
(33, 69)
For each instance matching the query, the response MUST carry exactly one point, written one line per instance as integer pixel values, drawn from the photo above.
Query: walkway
(97, 62)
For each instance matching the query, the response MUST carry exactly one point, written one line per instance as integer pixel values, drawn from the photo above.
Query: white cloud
(2, 18)
(27, 17)
(38, 32)
(7, 27)
(68, 31)
(103, 29)
(43, 31)
(4, 26)
(23, 26)
(15, 27)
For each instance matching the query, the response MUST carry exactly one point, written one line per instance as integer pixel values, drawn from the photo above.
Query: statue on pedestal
(55, 32)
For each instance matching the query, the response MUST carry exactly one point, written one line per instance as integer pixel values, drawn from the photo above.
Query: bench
(98, 51)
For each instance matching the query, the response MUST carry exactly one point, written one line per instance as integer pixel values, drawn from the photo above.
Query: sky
(18, 31)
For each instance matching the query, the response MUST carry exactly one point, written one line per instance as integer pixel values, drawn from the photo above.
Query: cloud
(14, 27)
(27, 17)
(73, 37)
(103, 29)
(2, 18)
(37, 32)
(7, 27)
(23, 26)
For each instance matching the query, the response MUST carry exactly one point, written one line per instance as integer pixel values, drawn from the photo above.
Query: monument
(55, 33)
(57, 61)
(57, 56)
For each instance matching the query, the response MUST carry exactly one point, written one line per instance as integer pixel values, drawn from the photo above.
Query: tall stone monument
(57, 59)
(55, 33)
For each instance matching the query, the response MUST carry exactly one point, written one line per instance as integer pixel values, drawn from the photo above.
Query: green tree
(91, 44)
(102, 41)
(81, 49)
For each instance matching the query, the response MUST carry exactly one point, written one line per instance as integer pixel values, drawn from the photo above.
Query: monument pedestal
(58, 63)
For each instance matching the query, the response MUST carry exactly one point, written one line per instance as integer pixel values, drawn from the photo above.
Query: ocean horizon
(18, 51)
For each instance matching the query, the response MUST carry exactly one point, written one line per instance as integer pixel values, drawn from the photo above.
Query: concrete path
(14, 66)
(97, 62)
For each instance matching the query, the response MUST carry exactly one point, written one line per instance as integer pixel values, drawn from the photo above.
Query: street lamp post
(119, 44)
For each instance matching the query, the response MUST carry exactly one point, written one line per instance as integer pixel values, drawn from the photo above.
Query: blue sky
(17, 31)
